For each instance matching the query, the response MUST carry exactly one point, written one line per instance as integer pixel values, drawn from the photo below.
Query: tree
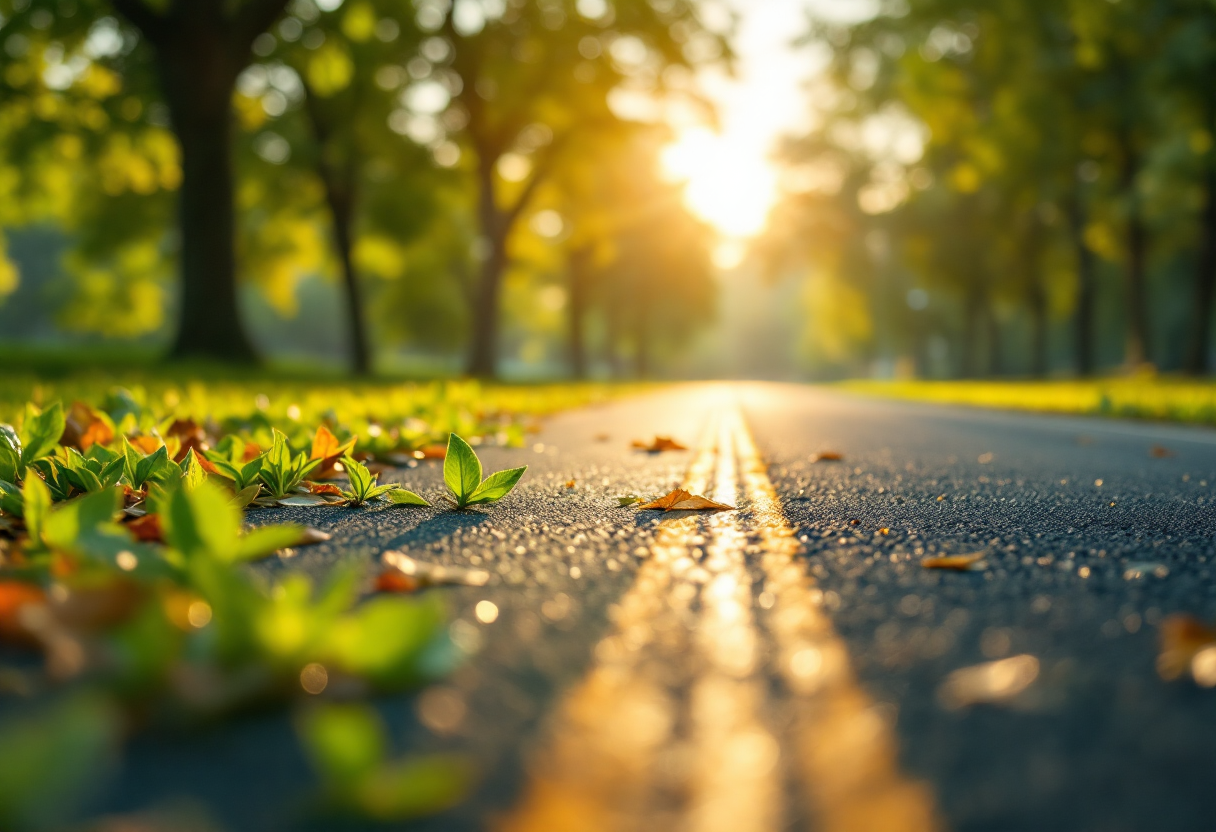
(199, 49)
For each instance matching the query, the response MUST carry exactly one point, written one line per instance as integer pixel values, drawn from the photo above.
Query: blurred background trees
(1006, 187)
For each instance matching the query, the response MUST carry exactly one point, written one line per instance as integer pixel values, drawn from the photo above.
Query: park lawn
(386, 415)
(1142, 397)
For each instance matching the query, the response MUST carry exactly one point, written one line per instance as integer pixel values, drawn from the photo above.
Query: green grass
(385, 414)
(1146, 397)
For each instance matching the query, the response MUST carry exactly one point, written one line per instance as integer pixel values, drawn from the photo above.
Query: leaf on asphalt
(434, 574)
(659, 445)
(571, 483)
(827, 456)
(327, 449)
(304, 500)
(1160, 452)
(401, 497)
(431, 452)
(628, 500)
(323, 488)
(991, 683)
(681, 500)
(957, 563)
(247, 495)
(394, 580)
(310, 537)
(1187, 643)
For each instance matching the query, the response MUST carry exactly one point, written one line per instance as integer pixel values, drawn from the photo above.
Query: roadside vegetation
(1153, 398)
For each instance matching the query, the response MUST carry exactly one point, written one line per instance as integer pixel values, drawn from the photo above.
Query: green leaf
(361, 480)
(10, 499)
(344, 742)
(381, 490)
(41, 431)
(461, 469)
(112, 473)
(260, 542)
(247, 495)
(156, 468)
(201, 522)
(628, 500)
(9, 438)
(401, 497)
(192, 471)
(496, 486)
(131, 459)
(413, 787)
(36, 503)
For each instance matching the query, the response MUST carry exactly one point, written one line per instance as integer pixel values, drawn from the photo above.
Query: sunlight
(729, 184)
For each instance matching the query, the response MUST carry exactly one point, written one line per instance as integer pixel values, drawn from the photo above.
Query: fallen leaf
(310, 537)
(192, 436)
(827, 456)
(1182, 639)
(146, 444)
(628, 500)
(84, 427)
(570, 483)
(1142, 569)
(431, 452)
(327, 448)
(394, 580)
(147, 528)
(323, 488)
(14, 595)
(1160, 452)
(434, 574)
(602, 437)
(660, 444)
(958, 563)
(989, 683)
(884, 531)
(681, 500)
(304, 500)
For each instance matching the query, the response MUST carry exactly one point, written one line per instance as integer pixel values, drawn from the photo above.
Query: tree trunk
(341, 201)
(483, 354)
(1137, 349)
(198, 75)
(1083, 331)
(1197, 360)
(579, 268)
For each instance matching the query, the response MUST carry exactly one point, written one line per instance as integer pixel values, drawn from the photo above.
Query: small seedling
(363, 488)
(462, 474)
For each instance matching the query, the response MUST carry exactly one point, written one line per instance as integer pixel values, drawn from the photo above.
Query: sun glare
(729, 185)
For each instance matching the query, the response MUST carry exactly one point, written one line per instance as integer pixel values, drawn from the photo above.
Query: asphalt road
(788, 665)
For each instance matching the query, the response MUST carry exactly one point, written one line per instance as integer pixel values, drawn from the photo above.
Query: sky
(731, 181)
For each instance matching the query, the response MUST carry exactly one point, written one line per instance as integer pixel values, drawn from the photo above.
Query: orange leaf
(327, 448)
(1182, 637)
(146, 444)
(570, 484)
(827, 456)
(84, 428)
(13, 596)
(957, 563)
(394, 580)
(323, 488)
(681, 500)
(660, 444)
(1160, 452)
(189, 435)
(431, 452)
(147, 528)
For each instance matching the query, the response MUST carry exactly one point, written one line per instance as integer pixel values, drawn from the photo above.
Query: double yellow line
(677, 725)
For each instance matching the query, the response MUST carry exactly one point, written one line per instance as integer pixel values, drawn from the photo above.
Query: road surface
(789, 665)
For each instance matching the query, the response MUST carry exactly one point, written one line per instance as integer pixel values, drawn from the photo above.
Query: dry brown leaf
(323, 488)
(681, 500)
(327, 448)
(660, 444)
(827, 456)
(434, 574)
(310, 537)
(1182, 638)
(146, 444)
(1160, 452)
(431, 452)
(147, 528)
(394, 580)
(83, 428)
(14, 595)
(190, 435)
(958, 563)
(570, 483)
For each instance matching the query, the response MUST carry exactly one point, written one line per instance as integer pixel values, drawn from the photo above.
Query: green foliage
(40, 431)
(462, 474)
(140, 470)
(281, 471)
(363, 487)
(347, 748)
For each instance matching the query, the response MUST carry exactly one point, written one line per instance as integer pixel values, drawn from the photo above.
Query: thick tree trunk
(580, 275)
(198, 75)
(1137, 348)
(1197, 359)
(1083, 329)
(483, 353)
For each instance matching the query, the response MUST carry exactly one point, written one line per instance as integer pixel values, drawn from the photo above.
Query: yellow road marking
(629, 752)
